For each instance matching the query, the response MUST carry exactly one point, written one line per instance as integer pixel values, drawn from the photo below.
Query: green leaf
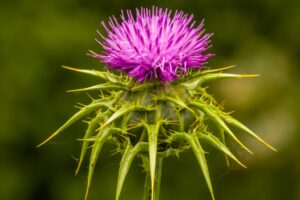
(103, 75)
(103, 86)
(201, 73)
(142, 87)
(93, 125)
(214, 76)
(223, 140)
(126, 108)
(194, 82)
(152, 130)
(193, 141)
(191, 84)
(98, 144)
(238, 124)
(128, 156)
(176, 101)
(200, 156)
(215, 117)
(81, 113)
(218, 69)
(215, 142)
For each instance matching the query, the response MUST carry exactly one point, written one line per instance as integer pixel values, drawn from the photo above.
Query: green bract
(153, 121)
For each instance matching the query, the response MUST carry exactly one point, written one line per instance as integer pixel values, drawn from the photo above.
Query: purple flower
(154, 44)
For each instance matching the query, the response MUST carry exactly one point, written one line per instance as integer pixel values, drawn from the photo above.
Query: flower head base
(154, 44)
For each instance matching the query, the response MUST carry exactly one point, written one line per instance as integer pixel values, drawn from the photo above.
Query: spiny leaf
(103, 75)
(81, 113)
(93, 125)
(124, 168)
(141, 87)
(123, 110)
(224, 142)
(103, 86)
(214, 141)
(200, 156)
(176, 101)
(238, 124)
(100, 140)
(152, 130)
(201, 73)
(128, 156)
(213, 76)
(218, 69)
(195, 82)
(191, 84)
(213, 116)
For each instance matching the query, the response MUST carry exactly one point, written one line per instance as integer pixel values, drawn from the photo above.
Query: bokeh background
(37, 37)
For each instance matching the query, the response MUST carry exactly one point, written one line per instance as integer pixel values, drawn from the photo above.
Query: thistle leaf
(152, 130)
(195, 82)
(176, 101)
(223, 140)
(122, 111)
(238, 124)
(124, 168)
(202, 72)
(90, 130)
(218, 69)
(200, 156)
(215, 142)
(98, 144)
(141, 87)
(191, 84)
(215, 117)
(128, 156)
(81, 113)
(103, 75)
(103, 86)
(214, 76)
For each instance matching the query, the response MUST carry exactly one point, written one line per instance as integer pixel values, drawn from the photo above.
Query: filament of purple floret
(153, 44)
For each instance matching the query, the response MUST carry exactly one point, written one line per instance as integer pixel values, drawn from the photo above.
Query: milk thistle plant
(153, 102)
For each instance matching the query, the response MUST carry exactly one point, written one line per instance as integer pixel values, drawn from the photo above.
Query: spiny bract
(154, 119)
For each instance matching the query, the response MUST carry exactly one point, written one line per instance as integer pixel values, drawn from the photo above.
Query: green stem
(158, 178)
(147, 187)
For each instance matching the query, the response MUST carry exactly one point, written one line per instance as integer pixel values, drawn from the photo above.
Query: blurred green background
(37, 37)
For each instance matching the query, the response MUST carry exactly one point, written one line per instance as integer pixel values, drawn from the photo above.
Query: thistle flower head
(154, 44)
(149, 122)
